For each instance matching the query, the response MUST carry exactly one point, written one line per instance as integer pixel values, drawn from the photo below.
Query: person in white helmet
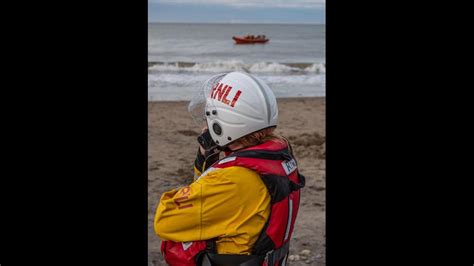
(241, 208)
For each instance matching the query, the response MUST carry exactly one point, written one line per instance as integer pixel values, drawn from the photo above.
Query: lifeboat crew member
(241, 208)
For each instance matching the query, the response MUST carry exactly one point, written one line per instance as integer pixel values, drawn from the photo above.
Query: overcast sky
(237, 11)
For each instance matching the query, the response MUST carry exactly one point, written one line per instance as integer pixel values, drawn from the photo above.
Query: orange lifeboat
(249, 39)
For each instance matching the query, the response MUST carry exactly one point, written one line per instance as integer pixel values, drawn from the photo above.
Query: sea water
(181, 56)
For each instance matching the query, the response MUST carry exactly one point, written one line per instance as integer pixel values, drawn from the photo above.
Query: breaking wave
(236, 65)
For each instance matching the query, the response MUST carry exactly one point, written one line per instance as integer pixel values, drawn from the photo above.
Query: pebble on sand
(305, 252)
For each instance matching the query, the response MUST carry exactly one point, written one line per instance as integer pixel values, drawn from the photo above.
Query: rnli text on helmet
(221, 91)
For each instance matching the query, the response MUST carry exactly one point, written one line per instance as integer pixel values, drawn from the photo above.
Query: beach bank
(172, 148)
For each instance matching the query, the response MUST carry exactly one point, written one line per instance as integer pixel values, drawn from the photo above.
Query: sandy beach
(172, 148)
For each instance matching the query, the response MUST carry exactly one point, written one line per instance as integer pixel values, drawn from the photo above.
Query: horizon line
(278, 23)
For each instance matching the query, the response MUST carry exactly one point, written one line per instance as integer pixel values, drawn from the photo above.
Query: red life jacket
(277, 168)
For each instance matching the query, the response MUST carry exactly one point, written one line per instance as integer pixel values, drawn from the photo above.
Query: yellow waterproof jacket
(231, 204)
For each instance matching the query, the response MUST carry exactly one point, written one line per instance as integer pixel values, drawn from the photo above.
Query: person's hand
(201, 149)
(205, 156)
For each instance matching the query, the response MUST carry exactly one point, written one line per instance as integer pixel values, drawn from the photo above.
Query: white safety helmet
(234, 105)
